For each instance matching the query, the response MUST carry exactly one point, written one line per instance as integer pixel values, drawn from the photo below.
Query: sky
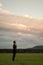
(21, 20)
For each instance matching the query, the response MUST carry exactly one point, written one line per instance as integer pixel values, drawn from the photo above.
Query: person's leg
(13, 57)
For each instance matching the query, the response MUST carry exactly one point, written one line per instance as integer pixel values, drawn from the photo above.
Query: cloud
(27, 16)
(1, 4)
(14, 27)
(17, 24)
(27, 31)
(2, 11)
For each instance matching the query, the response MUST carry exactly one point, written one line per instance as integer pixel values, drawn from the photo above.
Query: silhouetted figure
(14, 50)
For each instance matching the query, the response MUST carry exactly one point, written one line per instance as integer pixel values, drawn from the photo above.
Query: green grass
(22, 59)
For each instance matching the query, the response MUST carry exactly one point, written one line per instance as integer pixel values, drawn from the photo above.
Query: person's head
(14, 42)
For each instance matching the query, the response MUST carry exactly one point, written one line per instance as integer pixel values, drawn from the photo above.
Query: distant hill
(38, 47)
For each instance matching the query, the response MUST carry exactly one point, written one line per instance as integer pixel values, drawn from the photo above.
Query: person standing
(14, 50)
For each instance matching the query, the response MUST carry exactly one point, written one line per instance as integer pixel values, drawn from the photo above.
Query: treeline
(22, 50)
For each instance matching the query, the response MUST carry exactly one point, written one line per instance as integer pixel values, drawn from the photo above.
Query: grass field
(22, 59)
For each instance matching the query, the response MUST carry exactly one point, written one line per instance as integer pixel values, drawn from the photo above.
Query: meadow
(21, 59)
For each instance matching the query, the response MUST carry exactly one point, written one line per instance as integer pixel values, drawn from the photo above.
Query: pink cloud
(20, 23)
(1, 4)
(27, 16)
(3, 11)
